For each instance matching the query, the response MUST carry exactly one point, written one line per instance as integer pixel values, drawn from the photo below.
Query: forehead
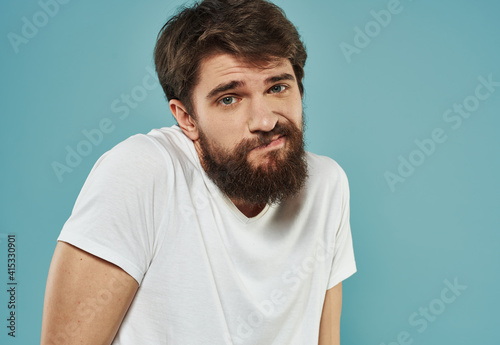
(218, 68)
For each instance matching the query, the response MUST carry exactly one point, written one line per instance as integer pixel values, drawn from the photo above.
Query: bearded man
(220, 229)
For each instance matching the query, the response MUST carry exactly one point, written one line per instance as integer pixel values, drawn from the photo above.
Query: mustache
(265, 138)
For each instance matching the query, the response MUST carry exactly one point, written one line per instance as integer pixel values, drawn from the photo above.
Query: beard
(279, 174)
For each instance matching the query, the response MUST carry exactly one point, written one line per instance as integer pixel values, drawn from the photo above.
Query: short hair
(255, 30)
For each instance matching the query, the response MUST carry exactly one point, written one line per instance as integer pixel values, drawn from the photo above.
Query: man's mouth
(275, 142)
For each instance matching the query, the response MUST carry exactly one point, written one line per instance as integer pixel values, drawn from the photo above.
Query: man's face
(249, 121)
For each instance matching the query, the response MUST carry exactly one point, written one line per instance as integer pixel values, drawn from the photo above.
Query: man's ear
(185, 121)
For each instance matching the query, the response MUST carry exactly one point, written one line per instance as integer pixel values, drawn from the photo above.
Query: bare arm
(329, 329)
(86, 298)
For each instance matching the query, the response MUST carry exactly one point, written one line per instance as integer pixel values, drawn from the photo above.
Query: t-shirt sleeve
(113, 217)
(344, 264)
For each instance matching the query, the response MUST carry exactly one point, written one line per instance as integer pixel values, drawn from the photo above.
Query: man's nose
(261, 115)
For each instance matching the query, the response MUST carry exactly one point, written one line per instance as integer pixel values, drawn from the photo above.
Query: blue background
(439, 223)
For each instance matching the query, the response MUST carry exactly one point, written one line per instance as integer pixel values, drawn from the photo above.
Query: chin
(266, 163)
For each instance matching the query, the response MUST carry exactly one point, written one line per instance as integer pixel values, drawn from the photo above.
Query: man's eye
(277, 88)
(228, 100)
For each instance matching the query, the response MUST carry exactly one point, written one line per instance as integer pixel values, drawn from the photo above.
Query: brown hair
(255, 30)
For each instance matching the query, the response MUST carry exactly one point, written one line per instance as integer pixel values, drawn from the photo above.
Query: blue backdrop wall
(405, 95)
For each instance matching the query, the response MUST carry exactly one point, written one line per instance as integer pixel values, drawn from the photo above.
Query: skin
(81, 288)
(86, 298)
(329, 329)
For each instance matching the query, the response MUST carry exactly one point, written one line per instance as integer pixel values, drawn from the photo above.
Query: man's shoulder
(324, 167)
(149, 154)
(155, 146)
(327, 180)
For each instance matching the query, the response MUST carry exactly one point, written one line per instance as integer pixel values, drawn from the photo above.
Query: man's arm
(86, 298)
(329, 328)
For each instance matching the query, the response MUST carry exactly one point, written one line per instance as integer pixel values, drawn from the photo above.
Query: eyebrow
(283, 76)
(225, 87)
(234, 84)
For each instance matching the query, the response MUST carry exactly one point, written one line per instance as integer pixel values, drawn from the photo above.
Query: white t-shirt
(207, 273)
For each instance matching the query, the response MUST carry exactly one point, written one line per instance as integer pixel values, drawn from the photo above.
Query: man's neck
(249, 210)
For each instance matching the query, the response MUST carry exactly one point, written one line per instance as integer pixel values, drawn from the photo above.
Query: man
(220, 229)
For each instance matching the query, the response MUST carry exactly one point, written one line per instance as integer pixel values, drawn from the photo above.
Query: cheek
(223, 134)
(294, 111)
